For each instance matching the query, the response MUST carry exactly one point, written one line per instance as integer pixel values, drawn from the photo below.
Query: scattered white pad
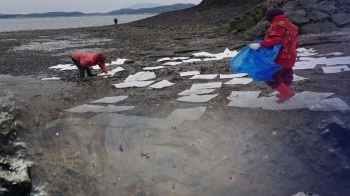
(203, 54)
(239, 81)
(52, 78)
(304, 65)
(335, 69)
(189, 73)
(112, 109)
(229, 76)
(119, 62)
(204, 76)
(133, 84)
(206, 86)
(153, 68)
(140, 76)
(331, 54)
(337, 61)
(227, 54)
(164, 59)
(213, 59)
(112, 72)
(197, 98)
(161, 84)
(60, 66)
(333, 104)
(180, 58)
(306, 52)
(72, 67)
(298, 78)
(85, 108)
(110, 99)
(172, 63)
(191, 60)
(98, 67)
(99, 109)
(196, 92)
(243, 95)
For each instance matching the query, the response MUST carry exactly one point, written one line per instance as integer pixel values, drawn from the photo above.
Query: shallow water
(65, 22)
(114, 154)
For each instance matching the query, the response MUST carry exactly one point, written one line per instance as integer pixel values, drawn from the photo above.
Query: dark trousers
(284, 75)
(82, 69)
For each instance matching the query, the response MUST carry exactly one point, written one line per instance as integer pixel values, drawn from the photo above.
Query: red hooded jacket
(283, 32)
(89, 59)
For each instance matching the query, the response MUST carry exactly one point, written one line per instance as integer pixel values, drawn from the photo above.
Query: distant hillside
(43, 15)
(154, 10)
(143, 5)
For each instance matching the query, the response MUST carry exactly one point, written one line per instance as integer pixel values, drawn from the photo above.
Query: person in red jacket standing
(84, 62)
(281, 31)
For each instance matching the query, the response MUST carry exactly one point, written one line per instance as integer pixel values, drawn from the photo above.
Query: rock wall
(317, 16)
(253, 16)
(311, 16)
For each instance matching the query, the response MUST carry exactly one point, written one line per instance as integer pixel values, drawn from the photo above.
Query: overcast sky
(86, 6)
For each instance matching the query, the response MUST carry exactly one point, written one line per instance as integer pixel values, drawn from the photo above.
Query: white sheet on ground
(113, 72)
(243, 95)
(52, 78)
(229, 76)
(153, 68)
(197, 98)
(140, 76)
(99, 109)
(213, 59)
(98, 67)
(298, 78)
(196, 92)
(161, 84)
(335, 69)
(239, 81)
(164, 59)
(133, 84)
(191, 60)
(304, 65)
(172, 63)
(119, 62)
(206, 86)
(189, 73)
(204, 76)
(203, 54)
(85, 108)
(110, 99)
(333, 104)
(60, 66)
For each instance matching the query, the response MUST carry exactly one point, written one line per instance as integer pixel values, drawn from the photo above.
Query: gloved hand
(108, 75)
(254, 46)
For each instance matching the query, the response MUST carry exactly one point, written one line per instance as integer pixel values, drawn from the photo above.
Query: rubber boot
(81, 73)
(89, 73)
(285, 92)
(279, 95)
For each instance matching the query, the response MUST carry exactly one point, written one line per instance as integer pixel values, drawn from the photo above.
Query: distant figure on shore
(84, 62)
(115, 21)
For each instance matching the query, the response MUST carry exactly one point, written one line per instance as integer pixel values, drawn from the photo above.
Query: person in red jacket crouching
(281, 31)
(84, 62)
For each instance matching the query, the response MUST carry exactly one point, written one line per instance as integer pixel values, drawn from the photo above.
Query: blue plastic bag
(259, 64)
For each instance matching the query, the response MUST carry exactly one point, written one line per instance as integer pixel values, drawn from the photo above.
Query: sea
(17, 24)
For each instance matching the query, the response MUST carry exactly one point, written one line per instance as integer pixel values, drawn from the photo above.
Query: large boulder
(316, 15)
(341, 19)
(316, 28)
(291, 6)
(298, 17)
(329, 9)
(257, 31)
